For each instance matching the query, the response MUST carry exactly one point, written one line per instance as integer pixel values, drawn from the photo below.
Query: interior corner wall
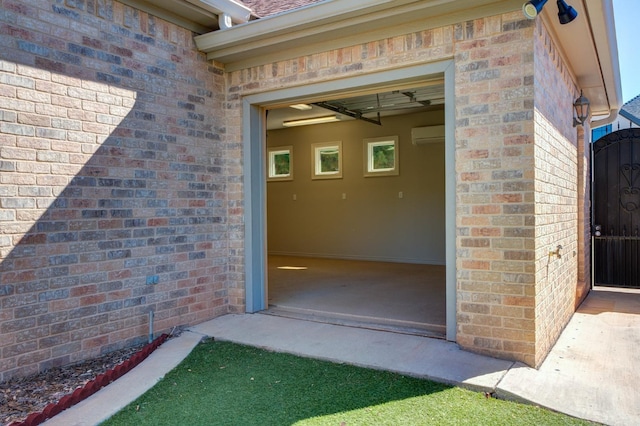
(387, 218)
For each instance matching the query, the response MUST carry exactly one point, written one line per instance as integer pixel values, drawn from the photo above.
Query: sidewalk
(590, 373)
(593, 370)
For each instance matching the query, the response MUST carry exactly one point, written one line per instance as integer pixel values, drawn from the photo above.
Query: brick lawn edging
(91, 386)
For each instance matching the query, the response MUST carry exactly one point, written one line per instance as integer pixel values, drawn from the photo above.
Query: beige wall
(372, 222)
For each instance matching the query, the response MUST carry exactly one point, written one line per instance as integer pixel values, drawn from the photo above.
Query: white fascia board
(606, 44)
(286, 23)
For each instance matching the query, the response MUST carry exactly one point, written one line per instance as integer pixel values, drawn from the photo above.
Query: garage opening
(361, 203)
(356, 210)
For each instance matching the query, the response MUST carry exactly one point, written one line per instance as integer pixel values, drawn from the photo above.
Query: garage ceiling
(369, 107)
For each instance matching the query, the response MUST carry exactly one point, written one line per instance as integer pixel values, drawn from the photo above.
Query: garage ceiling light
(314, 120)
(301, 107)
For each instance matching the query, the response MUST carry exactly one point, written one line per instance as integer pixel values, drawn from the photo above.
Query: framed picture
(280, 163)
(326, 160)
(381, 156)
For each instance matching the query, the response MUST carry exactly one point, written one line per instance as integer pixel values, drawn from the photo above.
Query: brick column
(495, 201)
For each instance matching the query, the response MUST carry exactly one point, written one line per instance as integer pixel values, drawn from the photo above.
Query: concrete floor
(379, 295)
(591, 373)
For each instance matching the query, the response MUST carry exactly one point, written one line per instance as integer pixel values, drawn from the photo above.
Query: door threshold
(359, 321)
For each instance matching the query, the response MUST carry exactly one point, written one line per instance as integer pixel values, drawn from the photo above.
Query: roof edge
(606, 43)
(199, 16)
(333, 24)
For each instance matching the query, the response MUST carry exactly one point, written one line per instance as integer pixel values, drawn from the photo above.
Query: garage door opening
(370, 204)
(356, 210)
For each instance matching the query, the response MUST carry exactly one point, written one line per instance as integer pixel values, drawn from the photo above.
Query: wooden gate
(616, 209)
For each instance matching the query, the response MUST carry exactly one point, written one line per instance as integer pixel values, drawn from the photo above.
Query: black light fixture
(532, 8)
(582, 110)
(566, 13)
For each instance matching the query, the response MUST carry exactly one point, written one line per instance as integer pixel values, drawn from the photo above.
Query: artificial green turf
(222, 383)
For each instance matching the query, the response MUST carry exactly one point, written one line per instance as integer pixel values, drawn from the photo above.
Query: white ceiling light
(315, 120)
(301, 107)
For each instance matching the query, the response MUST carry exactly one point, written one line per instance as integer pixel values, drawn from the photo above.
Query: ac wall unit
(428, 134)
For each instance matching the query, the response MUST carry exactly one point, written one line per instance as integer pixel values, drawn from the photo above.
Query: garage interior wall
(388, 218)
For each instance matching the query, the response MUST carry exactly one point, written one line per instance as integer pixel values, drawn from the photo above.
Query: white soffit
(590, 47)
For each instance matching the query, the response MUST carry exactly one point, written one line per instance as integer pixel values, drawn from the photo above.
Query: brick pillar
(495, 192)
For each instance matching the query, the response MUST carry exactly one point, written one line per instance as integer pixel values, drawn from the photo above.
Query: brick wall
(122, 181)
(518, 195)
(556, 195)
(506, 129)
(113, 195)
(419, 47)
(496, 205)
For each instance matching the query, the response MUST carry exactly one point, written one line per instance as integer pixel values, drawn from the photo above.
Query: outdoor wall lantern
(566, 13)
(582, 110)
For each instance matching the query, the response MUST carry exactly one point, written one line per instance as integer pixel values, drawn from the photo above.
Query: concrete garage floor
(401, 297)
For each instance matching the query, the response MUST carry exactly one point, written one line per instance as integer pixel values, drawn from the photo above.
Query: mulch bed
(21, 396)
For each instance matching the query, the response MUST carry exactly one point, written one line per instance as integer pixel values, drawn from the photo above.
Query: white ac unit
(428, 134)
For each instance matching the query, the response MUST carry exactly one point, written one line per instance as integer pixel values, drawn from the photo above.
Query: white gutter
(605, 41)
(613, 114)
(228, 11)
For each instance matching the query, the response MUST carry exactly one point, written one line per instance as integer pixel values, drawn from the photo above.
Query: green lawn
(222, 383)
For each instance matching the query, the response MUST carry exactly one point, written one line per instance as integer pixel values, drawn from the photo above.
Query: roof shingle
(263, 8)
(631, 110)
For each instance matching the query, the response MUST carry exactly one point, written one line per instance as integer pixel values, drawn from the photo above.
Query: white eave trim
(606, 43)
(337, 23)
(589, 46)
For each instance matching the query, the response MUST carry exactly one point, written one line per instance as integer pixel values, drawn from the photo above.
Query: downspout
(229, 12)
(613, 114)
(225, 21)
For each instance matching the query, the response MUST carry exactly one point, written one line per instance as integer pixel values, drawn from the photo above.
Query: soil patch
(20, 397)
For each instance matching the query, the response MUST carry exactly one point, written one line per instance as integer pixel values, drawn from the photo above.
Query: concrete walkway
(591, 373)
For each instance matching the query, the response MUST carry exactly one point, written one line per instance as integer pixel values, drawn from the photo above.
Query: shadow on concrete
(611, 300)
